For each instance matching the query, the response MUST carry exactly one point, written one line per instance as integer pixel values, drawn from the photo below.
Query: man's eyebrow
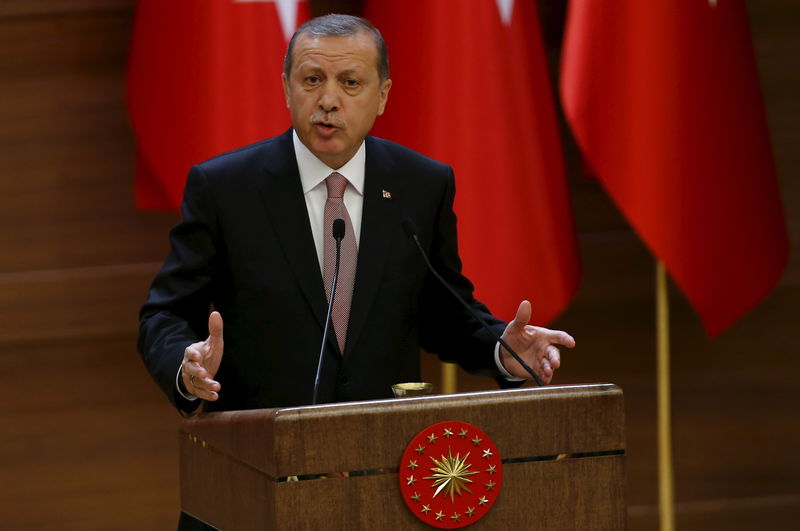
(349, 72)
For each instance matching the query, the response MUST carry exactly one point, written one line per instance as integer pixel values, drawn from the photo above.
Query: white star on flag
(287, 12)
(506, 8)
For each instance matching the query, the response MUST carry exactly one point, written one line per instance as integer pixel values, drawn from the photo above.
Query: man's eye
(312, 80)
(351, 83)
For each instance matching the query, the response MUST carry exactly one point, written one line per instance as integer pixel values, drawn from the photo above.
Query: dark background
(88, 442)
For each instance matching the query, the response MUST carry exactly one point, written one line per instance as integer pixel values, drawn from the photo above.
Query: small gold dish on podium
(409, 389)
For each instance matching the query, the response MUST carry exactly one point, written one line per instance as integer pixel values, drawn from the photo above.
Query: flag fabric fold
(203, 78)
(664, 101)
(471, 88)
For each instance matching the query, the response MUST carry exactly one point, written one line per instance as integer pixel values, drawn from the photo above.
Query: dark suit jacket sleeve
(447, 329)
(176, 312)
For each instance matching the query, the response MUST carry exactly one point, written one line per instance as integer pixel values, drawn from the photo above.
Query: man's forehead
(358, 48)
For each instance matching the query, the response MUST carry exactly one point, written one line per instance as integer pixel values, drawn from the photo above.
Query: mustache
(326, 117)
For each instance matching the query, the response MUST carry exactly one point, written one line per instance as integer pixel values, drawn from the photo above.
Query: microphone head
(338, 229)
(410, 227)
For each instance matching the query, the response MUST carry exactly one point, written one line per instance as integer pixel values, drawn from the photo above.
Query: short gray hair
(335, 25)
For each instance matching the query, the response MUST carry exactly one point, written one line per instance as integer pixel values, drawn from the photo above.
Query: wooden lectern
(335, 466)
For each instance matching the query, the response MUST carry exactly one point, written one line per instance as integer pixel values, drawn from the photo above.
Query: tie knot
(336, 184)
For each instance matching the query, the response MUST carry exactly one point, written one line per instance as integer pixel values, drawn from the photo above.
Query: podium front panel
(335, 466)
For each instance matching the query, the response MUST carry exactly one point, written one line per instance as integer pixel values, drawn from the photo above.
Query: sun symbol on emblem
(451, 474)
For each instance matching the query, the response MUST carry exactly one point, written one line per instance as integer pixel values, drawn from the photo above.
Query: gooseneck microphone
(411, 230)
(338, 235)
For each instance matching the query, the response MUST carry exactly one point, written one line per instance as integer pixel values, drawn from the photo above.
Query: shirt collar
(313, 171)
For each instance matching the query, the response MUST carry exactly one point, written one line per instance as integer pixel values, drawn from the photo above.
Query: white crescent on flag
(506, 8)
(287, 12)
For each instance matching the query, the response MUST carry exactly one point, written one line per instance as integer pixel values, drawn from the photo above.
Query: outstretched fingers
(558, 337)
(553, 357)
(205, 388)
(195, 376)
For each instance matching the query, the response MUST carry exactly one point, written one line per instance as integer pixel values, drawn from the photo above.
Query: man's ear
(383, 95)
(285, 81)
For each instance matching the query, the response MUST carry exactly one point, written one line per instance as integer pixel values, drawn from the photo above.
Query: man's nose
(329, 97)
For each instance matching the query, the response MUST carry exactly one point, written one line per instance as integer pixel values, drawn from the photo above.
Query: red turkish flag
(664, 100)
(204, 78)
(471, 89)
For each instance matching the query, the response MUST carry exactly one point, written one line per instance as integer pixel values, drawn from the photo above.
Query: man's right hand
(201, 362)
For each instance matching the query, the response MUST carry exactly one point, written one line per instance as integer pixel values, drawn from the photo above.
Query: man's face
(334, 94)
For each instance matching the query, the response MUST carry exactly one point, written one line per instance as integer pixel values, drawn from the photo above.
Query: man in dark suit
(252, 245)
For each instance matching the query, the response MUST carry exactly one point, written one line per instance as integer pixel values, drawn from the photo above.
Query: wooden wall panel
(87, 442)
(23, 8)
(73, 303)
(67, 178)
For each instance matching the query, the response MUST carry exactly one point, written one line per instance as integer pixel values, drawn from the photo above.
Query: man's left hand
(537, 346)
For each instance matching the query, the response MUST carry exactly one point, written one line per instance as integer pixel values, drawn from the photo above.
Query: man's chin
(330, 152)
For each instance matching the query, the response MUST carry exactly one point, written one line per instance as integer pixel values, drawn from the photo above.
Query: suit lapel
(285, 205)
(379, 222)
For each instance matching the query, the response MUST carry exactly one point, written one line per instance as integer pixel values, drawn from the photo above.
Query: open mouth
(325, 129)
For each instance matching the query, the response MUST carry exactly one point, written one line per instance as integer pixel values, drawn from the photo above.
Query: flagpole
(666, 485)
(449, 378)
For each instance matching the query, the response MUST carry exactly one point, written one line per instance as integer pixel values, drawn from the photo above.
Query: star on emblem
(420, 449)
(487, 453)
(425, 509)
(477, 441)
(447, 433)
(413, 464)
(490, 485)
(415, 497)
(432, 438)
(470, 511)
(455, 517)
(463, 433)
(410, 480)
(439, 515)
(490, 470)
(483, 500)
